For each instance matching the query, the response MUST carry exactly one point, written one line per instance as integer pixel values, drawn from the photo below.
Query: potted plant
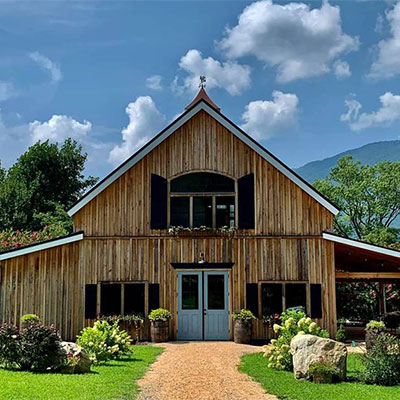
(159, 330)
(372, 329)
(243, 326)
(322, 371)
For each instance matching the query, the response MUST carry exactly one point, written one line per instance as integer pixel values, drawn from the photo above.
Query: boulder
(84, 364)
(307, 349)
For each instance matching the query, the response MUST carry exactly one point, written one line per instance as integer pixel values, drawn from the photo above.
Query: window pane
(296, 295)
(134, 299)
(110, 299)
(202, 211)
(216, 292)
(271, 299)
(190, 292)
(180, 211)
(202, 182)
(225, 211)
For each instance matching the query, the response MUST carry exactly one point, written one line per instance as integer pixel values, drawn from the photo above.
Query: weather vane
(202, 83)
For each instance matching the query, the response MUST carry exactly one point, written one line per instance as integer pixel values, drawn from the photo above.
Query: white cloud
(387, 63)
(47, 64)
(388, 113)
(144, 121)
(299, 41)
(7, 91)
(58, 128)
(263, 119)
(154, 82)
(230, 75)
(341, 69)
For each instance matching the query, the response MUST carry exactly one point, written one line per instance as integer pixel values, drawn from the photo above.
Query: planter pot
(322, 378)
(135, 331)
(159, 331)
(242, 332)
(67, 369)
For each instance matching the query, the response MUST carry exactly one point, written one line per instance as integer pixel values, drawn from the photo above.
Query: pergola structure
(359, 261)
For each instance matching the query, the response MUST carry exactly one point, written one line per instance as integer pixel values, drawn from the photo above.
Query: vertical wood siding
(51, 283)
(202, 144)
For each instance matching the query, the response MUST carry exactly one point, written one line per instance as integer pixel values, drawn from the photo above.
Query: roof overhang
(182, 119)
(357, 260)
(74, 237)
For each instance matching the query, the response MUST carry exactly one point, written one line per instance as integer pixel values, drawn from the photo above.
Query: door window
(216, 292)
(190, 292)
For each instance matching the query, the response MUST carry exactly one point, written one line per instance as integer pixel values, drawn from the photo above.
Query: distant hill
(371, 154)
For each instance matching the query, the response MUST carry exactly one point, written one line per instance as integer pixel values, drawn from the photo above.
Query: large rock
(84, 363)
(307, 349)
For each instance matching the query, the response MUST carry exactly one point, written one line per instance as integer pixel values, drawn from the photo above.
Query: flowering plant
(176, 230)
(293, 323)
(160, 314)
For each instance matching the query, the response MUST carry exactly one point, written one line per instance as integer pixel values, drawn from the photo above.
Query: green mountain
(371, 154)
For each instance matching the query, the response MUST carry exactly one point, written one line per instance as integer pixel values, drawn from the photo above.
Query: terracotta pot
(242, 332)
(159, 331)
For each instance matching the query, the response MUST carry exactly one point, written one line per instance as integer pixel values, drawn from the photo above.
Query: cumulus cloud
(387, 63)
(154, 82)
(263, 119)
(300, 42)
(388, 113)
(45, 63)
(144, 121)
(341, 69)
(58, 128)
(230, 75)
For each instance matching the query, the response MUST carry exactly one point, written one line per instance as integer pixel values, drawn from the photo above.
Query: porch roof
(357, 260)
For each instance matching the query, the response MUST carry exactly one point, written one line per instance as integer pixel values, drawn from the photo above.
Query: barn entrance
(203, 305)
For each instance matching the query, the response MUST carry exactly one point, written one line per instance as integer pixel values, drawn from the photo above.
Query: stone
(84, 364)
(307, 349)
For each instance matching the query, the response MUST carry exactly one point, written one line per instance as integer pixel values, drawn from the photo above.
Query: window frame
(283, 283)
(122, 283)
(191, 195)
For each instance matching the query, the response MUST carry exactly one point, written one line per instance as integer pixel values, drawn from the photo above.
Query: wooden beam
(368, 275)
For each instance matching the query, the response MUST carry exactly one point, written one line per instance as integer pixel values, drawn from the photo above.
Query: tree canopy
(43, 183)
(368, 197)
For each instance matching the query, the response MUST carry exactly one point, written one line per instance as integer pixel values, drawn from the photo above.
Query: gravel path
(201, 371)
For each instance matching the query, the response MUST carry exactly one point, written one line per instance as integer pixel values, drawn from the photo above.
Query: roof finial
(202, 83)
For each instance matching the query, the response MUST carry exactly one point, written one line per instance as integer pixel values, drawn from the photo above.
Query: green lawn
(114, 380)
(284, 386)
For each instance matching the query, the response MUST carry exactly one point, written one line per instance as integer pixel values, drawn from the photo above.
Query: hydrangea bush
(292, 323)
(104, 341)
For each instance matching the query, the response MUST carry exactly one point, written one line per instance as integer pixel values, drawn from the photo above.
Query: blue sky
(306, 79)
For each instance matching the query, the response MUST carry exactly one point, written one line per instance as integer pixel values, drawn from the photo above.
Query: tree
(368, 197)
(44, 182)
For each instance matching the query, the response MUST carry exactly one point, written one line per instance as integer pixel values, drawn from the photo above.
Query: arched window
(202, 199)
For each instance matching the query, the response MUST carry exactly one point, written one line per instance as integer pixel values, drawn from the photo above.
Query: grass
(114, 380)
(284, 386)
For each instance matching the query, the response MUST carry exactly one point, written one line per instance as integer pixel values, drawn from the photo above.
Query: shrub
(104, 341)
(29, 319)
(293, 323)
(39, 347)
(9, 345)
(375, 326)
(341, 334)
(381, 364)
(160, 314)
(322, 371)
(244, 316)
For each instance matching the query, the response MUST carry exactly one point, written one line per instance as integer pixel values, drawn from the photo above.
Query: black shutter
(316, 300)
(252, 298)
(158, 195)
(246, 202)
(154, 296)
(90, 301)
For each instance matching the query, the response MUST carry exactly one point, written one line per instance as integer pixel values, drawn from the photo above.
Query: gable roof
(202, 104)
(31, 248)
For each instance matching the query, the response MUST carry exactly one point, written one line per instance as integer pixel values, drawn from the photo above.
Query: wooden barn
(202, 221)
